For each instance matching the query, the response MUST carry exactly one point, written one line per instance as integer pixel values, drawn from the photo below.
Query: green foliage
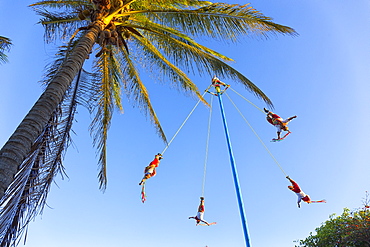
(5, 44)
(350, 229)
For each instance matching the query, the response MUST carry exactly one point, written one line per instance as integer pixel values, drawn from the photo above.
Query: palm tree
(156, 35)
(5, 44)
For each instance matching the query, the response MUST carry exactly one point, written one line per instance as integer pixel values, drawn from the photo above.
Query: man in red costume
(278, 122)
(199, 217)
(150, 169)
(217, 84)
(301, 195)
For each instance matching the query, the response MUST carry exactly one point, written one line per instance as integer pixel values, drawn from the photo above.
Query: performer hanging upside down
(150, 169)
(199, 217)
(217, 84)
(301, 195)
(279, 123)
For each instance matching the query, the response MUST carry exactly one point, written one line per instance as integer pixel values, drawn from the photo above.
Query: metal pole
(235, 175)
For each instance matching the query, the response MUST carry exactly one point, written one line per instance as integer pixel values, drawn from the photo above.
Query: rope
(247, 100)
(182, 125)
(263, 144)
(207, 145)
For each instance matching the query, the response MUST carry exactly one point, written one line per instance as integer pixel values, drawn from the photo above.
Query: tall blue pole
(235, 175)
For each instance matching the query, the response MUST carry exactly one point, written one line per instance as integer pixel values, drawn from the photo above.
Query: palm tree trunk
(19, 144)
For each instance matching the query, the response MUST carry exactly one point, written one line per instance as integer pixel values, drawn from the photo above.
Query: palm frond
(26, 196)
(218, 20)
(207, 63)
(170, 33)
(88, 91)
(18, 203)
(58, 4)
(166, 68)
(59, 25)
(108, 96)
(5, 44)
(170, 4)
(135, 88)
(115, 76)
(53, 67)
(190, 4)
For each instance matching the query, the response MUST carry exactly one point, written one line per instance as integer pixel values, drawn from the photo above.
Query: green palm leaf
(5, 44)
(59, 25)
(26, 196)
(136, 89)
(108, 97)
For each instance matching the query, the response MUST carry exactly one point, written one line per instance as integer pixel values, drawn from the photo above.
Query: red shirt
(296, 188)
(201, 208)
(154, 163)
(272, 117)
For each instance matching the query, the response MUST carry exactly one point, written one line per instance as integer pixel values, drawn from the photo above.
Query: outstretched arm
(292, 181)
(296, 187)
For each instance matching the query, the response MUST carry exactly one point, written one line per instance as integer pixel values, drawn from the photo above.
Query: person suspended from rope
(279, 123)
(199, 217)
(301, 195)
(150, 170)
(217, 84)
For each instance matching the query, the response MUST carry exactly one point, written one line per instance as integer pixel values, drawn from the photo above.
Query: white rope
(247, 100)
(182, 125)
(207, 145)
(263, 144)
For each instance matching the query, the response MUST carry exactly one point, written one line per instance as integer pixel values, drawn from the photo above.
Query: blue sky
(321, 76)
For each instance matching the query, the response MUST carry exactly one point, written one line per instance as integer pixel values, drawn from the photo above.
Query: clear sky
(322, 76)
